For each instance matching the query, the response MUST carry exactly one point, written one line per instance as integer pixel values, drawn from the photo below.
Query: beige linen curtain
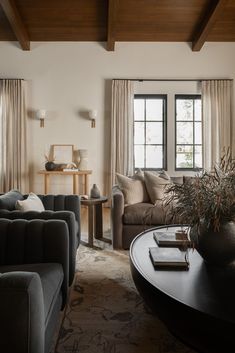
(217, 120)
(122, 124)
(13, 139)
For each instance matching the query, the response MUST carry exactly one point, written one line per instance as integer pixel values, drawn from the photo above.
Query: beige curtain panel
(122, 124)
(13, 139)
(217, 120)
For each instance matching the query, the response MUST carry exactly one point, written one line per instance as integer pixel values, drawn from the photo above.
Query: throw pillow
(177, 179)
(32, 203)
(8, 200)
(164, 175)
(139, 174)
(134, 190)
(188, 179)
(155, 186)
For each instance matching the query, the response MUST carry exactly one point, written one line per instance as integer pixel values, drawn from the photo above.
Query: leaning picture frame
(63, 154)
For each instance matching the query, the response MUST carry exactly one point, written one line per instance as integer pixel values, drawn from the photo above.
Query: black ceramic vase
(50, 166)
(95, 192)
(216, 248)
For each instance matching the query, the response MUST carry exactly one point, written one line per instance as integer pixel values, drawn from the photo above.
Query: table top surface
(94, 201)
(68, 172)
(205, 288)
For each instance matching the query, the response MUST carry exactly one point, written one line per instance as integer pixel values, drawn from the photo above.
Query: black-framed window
(150, 116)
(188, 132)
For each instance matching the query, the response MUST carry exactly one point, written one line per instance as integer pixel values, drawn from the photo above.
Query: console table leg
(75, 184)
(86, 184)
(46, 183)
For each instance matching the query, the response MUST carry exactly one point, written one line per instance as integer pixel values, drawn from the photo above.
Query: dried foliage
(49, 158)
(209, 197)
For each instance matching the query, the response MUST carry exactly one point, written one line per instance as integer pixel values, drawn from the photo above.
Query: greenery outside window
(188, 122)
(150, 131)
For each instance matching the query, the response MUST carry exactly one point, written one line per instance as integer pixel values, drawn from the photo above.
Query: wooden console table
(83, 174)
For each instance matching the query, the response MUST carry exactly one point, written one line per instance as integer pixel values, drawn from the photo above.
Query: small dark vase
(216, 248)
(50, 166)
(95, 192)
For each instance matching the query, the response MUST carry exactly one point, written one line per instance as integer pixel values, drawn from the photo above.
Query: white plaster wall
(70, 78)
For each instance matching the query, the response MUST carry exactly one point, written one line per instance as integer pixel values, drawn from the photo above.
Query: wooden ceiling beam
(17, 25)
(112, 11)
(210, 18)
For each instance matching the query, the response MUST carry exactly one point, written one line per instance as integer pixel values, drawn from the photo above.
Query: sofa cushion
(155, 186)
(32, 203)
(145, 213)
(134, 190)
(9, 199)
(51, 275)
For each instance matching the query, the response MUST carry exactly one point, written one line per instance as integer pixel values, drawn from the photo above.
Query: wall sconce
(92, 116)
(41, 115)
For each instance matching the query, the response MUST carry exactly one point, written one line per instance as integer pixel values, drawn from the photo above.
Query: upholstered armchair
(60, 207)
(34, 277)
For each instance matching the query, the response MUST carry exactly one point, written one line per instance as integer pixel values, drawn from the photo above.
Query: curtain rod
(173, 79)
(10, 79)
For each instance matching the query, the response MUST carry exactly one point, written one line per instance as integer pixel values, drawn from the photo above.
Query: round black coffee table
(197, 305)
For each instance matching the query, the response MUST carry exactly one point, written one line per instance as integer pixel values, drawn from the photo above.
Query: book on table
(168, 258)
(172, 239)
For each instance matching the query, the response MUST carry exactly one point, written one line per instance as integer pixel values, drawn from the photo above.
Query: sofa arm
(35, 241)
(117, 212)
(66, 216)
(22, 313)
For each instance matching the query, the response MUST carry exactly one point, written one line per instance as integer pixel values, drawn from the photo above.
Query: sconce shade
(93, 114)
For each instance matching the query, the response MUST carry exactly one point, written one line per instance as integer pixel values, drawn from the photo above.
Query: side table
(95, 218)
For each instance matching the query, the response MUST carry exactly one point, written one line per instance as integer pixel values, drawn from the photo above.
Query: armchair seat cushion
(51, 275)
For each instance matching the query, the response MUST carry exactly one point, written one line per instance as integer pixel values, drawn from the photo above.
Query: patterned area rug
(105, 313)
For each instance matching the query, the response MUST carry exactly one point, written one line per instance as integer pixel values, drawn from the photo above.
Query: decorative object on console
(83, 165)
(92, 115)
(95, 192)
(63, 154)
(49, 165)
(207, 204)
(41, 115)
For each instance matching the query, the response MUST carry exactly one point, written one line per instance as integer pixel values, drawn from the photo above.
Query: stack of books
(172, 239)
(169, 258)
(171, 252)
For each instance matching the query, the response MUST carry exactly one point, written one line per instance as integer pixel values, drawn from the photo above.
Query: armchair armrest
(35, 241)
(22, 313)
(66, 216)
(117, 212)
